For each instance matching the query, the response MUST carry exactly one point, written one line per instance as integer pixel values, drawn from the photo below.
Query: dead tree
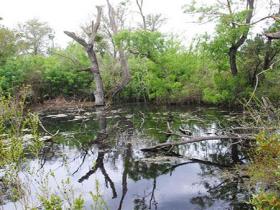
(126, 76)
(150, 22)
(140, 7)
(89, 48)
(155, 21)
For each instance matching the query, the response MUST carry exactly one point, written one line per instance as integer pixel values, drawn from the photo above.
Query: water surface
(102, 149)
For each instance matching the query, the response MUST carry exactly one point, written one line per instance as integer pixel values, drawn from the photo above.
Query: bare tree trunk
(232, 60)
(126, 76)
(88, 46)
(235, 46)
(99, 91)
(267, 57)
(99, 88)
(140, 7)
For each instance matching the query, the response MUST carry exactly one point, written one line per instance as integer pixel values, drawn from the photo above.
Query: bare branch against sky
(70, 14)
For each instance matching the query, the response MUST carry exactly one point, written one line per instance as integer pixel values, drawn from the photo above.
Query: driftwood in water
(169, 145)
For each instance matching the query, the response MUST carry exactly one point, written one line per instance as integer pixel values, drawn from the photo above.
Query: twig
(257, 81)
(43, 127)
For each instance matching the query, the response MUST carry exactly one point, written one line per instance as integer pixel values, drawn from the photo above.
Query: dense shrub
(49, 77)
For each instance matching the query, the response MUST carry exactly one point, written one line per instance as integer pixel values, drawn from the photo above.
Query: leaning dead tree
(89, 48)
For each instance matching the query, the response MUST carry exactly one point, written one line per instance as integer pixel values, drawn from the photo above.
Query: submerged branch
(193, 140)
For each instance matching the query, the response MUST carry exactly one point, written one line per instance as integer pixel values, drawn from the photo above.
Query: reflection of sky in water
(186, 187)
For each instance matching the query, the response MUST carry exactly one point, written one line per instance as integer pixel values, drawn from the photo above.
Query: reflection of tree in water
(121, 130)
(101, 142)
(222, 155)
(136, 170)
(123, 133)
(229, 189)
(7, 191)
(127, 159)
(147, 201)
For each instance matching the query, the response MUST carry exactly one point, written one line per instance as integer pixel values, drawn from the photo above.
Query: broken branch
(76, 38)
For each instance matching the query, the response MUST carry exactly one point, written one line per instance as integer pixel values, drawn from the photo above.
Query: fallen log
(169, 145)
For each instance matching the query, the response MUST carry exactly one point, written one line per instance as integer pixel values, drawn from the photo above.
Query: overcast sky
(71, 14)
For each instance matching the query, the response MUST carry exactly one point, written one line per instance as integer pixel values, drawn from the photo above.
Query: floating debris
(129, 116)
(163, 160)
(46, 138)
(57, 116)
(76, 118)
(27, 137)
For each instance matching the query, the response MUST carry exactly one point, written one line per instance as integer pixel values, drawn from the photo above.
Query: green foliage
(19, 138)
(226, 89)
(49, 77)
(67, 82)
(265, 167)
(7, 44)
(79, 204)
(161, 68)
(35, 37)
(266, 201)
(53, 203)
(98, 202)
(13, 123)
(142, 43)
(270, 85)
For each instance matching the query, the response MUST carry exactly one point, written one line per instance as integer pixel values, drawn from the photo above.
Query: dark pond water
(101, 150)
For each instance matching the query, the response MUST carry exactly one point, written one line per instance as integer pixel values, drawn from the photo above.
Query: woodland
(109, 62)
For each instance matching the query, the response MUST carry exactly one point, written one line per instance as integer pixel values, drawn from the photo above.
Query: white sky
(71, 14)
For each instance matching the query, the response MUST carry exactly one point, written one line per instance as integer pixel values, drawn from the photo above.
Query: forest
(119, 89)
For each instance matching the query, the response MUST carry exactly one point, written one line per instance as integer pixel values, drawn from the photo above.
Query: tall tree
(34, 36)
(7, 44)
(239, 40)
(234, 23)
(89, 47)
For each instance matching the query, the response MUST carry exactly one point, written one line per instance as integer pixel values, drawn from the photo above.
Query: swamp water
(100, 152)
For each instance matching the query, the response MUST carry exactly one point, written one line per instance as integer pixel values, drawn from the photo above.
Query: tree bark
(236, 45)
(267, 57)
(126, 76)
(99, 88)
(140, 7)
(88, 46)
(232, 60)
(275, 35)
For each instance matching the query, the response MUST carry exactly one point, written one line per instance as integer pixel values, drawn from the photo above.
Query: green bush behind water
(162, 69)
